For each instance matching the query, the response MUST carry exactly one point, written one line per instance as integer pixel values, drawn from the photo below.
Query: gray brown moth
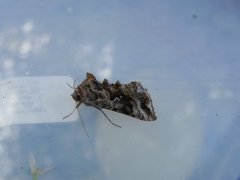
(129, 99)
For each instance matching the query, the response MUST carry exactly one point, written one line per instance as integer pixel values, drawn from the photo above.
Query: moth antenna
(70, 86)
(74, 82)
(105, 115)
(73, 86)
(84, 127)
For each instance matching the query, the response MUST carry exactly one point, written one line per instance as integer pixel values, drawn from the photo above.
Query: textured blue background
(185, 52)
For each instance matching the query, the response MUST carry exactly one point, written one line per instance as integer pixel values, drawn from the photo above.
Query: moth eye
(75, 97)
(78, 98)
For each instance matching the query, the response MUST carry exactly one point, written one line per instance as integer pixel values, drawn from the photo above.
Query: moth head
(75, 95)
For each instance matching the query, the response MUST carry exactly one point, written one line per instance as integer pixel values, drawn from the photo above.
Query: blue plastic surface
(186, 53)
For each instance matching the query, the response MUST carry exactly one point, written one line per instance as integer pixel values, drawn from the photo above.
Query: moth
(129, 99)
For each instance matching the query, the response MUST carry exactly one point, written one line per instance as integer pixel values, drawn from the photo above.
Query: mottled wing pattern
(143, 107)
(129, 99)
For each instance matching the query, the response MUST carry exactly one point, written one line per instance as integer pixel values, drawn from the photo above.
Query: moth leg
(84, 127)
(106, 116)
(77, 105)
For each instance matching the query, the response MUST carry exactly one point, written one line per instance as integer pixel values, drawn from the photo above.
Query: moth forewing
(129, 99)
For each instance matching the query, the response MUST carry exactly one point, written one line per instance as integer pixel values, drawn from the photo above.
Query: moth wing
(136, 103)
(129, 99)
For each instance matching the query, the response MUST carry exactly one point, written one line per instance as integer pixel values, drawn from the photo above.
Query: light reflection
(94, 59)
(8, 63)
(22, 41)
(27, 27)
(69, 9)
(25, 48)
(84, 54)
(220, 92)
(106, 61)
